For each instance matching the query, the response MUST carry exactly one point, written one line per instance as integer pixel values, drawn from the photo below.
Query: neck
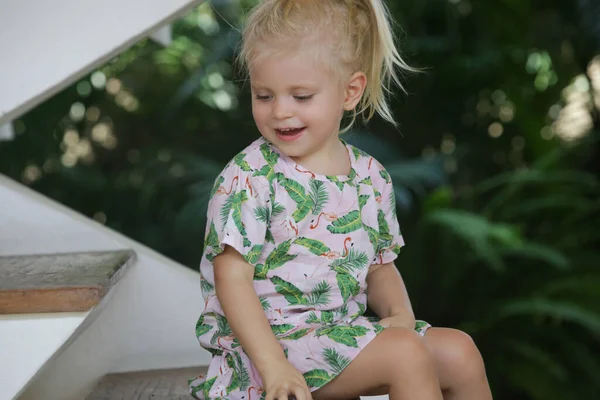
(330, 159)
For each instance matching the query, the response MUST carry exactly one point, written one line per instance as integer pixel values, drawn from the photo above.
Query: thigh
(372, 370)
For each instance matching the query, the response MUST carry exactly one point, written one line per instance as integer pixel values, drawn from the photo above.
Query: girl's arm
(242, 308)
(387, 294)
(245, 315)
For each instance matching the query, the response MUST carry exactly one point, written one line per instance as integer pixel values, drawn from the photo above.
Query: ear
(354, 90)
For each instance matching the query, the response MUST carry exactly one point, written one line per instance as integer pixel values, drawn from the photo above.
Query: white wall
(148, 323)
(47, 45)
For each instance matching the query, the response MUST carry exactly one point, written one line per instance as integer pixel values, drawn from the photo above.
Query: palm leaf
(336, 361)
(314, 246)
(240, 161)
(348, 285)
(279, 256)
(355, 260)
(291, 293)
(316, 378)
(318, 196)
(262, 214)
(319, 295)
(346, 224)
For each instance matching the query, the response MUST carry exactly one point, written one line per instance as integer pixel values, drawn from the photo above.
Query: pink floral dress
(311, 239)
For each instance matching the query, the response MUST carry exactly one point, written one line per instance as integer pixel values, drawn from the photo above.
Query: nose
(282, 109)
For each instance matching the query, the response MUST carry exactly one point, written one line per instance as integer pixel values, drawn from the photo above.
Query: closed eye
(263, 98)
(303, 98)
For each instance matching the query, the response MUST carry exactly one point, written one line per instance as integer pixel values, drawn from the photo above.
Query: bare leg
(459, 365)
(397, 359)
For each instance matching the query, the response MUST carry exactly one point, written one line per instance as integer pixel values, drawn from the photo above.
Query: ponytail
(380, 61)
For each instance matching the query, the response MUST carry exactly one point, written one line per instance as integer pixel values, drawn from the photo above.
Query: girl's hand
(399, 321)
(282, 381)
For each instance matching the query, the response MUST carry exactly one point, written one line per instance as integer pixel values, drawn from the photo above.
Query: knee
(461, 354)
(407, 346)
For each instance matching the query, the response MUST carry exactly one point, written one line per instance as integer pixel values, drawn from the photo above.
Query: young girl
(302, 231)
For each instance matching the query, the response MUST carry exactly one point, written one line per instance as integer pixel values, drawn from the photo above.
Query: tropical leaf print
(247, 242)
(270, 156)
(386, 176)
(336, 361)
(314, 246)
(262, 214)
(205, 286)
(317, 378)
(226, 209)
(204, 387)
(361, 310)
(348, 285)
(302, 210)
(326, 318)
(267, 171)
(383, 225)
(291, 293)
(276, 259)
(343, 334)
(202, 328)
(282, 329)
(223, 328)
(378, 328)
(319, 295)
(293, 188)
(318, 196)
(354, 260)
(216, 186)
(240, 378)
(254, 254)
(296, 335)
(236, 210)
(264, 303)
(280, 256)
(277, 209)
(346, 224)
(362, 200)
(269, 236)
(212, 239)
(240, 161)
(338, 183)
(367, 181)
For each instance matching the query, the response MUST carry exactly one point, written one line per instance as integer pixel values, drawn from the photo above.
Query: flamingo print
(330, 216)
(305, 172)
(334, 255)
(290, 223)
(222, 191)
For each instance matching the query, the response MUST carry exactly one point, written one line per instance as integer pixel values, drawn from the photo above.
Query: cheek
(259, 112)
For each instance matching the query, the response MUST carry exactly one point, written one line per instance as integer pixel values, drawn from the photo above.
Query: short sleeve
(237, 215)
(390, 239)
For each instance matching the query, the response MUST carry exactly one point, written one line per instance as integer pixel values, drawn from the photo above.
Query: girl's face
(297, 104)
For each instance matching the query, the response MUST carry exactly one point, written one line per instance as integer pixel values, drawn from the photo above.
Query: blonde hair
(359, 32)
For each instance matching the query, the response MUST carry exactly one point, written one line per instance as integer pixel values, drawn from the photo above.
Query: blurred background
(496, 164)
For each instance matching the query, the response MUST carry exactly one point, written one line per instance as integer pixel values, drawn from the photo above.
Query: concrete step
(170, 384)
(52, 283)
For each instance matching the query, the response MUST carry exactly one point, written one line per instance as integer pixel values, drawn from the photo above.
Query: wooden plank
(59, 282)
(169, 384)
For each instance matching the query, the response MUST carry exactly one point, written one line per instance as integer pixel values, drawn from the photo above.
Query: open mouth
(289, 134)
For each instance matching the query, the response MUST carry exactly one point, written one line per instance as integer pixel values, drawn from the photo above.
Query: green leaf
(354, 260)
(236, 207)
(212, 239)
(314, 246)
(205, 286)
(277, 209)
(291, 293)
(318, 196)
(294, 189)
(262, 214)
(362, 200)
(346, 224)
(279, 256)
(319, 295)
(282, 329)
(226, 210)
(240, 161)
(348, 285)
(384, 228)
(316, 378)
(264, 303)
(336, 361)
(202, 328)
(296, 335)
(302, 210)
(343, 334)
(254, 254)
